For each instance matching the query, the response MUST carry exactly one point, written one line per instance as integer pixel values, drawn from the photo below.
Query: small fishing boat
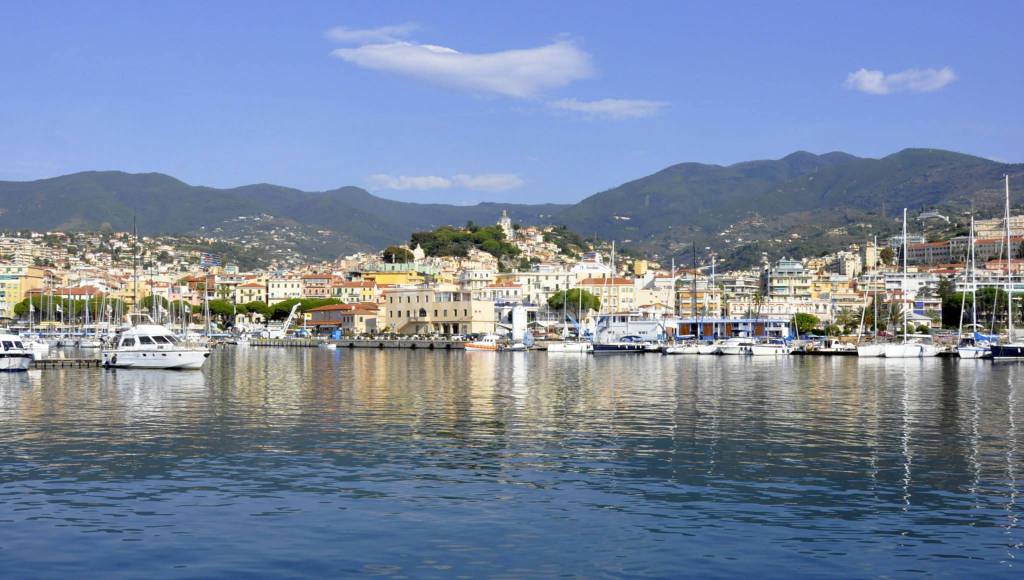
(486, 343)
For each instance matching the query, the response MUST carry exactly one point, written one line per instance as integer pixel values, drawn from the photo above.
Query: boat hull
(682, 349)
(768, 350)
(708, 349)
(910, 350)
(622, 348)
(974, 352)
(1007, 351)
(10, 362)
(569, 347)
(871, 350)
(734, 349)
(169, 359)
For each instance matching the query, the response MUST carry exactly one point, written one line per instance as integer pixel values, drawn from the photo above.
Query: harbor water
(291, 462)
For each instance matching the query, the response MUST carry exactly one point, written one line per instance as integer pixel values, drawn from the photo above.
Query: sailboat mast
(693, 288)
(903, 293)
(135, 265)
(1009, 266)
(974, 280)
(967, 276)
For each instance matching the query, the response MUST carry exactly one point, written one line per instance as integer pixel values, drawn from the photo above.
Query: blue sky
(543, 101)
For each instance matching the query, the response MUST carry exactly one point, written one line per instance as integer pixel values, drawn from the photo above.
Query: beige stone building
(443, 309)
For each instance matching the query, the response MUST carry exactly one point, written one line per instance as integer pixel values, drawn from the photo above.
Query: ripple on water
(273, 462)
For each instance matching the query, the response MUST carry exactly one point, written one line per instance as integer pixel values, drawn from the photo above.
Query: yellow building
(15, 283)
(251, 292)
(616, 294)
(355, 292)
(406, 278)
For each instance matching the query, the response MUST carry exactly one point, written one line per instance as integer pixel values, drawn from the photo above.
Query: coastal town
(405, 291)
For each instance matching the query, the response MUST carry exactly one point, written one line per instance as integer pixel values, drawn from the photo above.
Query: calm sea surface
(287, 462)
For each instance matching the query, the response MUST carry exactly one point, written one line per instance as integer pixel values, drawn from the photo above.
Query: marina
(526, 462)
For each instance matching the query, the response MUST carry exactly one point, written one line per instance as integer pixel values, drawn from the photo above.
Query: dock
(66, 363)
(361, 343)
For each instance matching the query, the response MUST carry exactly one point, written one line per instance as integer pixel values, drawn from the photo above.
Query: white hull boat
(769, 350)
(709, 348)
(682, 349)
(39, 348)
(570, 347)
(974, 352)
(151, 346)
(910, 350)
(735, 346)
(873, 350)
(14, 356)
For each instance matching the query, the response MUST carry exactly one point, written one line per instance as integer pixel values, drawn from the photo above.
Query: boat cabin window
(128, 342)
(8, 345)
(172, 339)
(161, 340)
(18, 344)
(145, 340)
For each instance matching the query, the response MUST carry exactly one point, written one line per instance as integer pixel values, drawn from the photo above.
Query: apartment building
(15, 283)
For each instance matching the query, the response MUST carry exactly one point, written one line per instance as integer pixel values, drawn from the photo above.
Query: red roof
(362, 306)
(603, 281)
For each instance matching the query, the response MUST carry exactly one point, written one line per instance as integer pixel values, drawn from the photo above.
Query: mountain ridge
(800, 193)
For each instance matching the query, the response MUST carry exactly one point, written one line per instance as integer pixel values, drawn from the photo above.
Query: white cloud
(521, 73)
(481, 182)
(488, 181)
(612, 108)
(383, 181)
(914, 80)
(379, 34)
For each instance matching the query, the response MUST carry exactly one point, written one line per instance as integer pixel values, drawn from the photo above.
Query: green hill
(828, 200)
(797, 205)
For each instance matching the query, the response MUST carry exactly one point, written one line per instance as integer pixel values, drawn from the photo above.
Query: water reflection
(520, 463)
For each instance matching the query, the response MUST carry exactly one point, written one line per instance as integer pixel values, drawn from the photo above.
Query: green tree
(887, 256)
(397, 255)
(923, 329)
(258, 308)
(806, 322)
(571, 299)
(848, 319)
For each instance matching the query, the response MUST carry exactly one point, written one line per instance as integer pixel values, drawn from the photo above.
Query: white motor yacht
(14, 356)
(771, 347)
(146, 345)
(734, 346)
